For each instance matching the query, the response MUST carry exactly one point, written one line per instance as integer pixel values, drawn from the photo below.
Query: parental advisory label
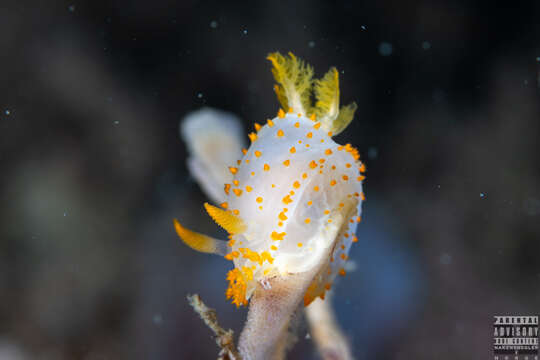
(515, 337)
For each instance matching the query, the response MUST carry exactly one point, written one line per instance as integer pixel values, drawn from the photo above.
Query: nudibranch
(295, 198)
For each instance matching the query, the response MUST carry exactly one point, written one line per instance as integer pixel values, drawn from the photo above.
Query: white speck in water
(426, 45)
(308, 336)
(116, 122)
(363, 27)
(385, 48)
(311, 44)
(200, 95)
(213, 24)
(7, 112)
(245, 32)
(65, 214)
(157, 319)
(372, 152)
(446, 259)
(482, 195)
(71, 8)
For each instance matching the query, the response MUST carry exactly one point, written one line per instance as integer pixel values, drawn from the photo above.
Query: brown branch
(224, 338)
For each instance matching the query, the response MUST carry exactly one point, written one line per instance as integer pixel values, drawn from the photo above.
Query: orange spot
(330, 134)
(270, 122)
(257, 126)
(296, 184)
(354, 239)
(315, 188)
(280, 133)
(326, 212)
(282, 216)
(247, 161)
(238, 162)
(304, 175)
(342, 272)
(236, 212)
(290, 110)
(307, 221)
(342, 247)
(227, 188)
(345, 177)
(233, 170)
(252, 136)
(328, 286)
(224, 205)
(313, 164)
(300, 244)
(360, 178)
(266, 167)
(273, 247)
(292, 150)
(358, 219)
(333, 182)
(343, 256)
(248, 188)
(258, 153)
(341, 205)
(297, 124)
(362, 168)
(328, 152)
(244, 151)
(310, 203)
(313, 117)
(348, 165)
(362, 196)
(280, 224)
(277, 236)
(259, 199)
(236, 182)
(287, 199)
(252, 173)
(287, 162)
(273, 185)
(281, 114)
(309, 135)
(322, 161)
(317, 126)
(333, 167)
(237, 192)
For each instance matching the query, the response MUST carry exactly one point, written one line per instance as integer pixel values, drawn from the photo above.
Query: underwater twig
(328, 337)
(224, 338)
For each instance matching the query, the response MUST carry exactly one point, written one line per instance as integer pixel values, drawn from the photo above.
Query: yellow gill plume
(200, 242)
(294, 78)
(296, 85)
(226, 219)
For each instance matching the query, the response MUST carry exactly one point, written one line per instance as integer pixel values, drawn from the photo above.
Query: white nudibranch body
(295, 199)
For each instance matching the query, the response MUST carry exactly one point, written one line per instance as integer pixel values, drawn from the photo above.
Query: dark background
(92, 169)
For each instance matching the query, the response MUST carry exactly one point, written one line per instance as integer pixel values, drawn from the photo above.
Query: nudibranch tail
(226, 219)
(200, 242)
